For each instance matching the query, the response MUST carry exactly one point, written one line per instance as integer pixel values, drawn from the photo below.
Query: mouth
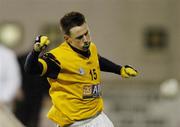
(86, 45)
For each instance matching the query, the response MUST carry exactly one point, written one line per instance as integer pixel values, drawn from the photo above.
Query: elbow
(32, 70)
(28, 70)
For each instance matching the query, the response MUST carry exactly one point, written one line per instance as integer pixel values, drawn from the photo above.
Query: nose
(85, 38)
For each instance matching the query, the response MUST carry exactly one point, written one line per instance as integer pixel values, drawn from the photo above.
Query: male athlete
(73, 71)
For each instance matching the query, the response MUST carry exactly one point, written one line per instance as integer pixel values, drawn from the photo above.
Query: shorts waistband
(84, 121)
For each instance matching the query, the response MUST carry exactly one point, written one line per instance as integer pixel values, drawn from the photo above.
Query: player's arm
(32, 65)
(47, 65)
(108, 66)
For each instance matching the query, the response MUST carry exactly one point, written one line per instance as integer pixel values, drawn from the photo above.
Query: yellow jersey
(76, 92)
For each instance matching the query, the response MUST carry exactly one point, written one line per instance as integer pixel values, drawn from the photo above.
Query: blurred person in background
(73, 71)
(10, 81)
(34, 89)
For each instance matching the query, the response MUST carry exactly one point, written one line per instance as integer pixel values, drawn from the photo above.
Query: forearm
(32, 66)
(108, 66)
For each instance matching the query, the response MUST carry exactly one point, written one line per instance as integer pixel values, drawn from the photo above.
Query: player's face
(80, 37)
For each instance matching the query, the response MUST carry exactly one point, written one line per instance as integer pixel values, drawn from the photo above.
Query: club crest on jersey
(81, 71)
(91, 91)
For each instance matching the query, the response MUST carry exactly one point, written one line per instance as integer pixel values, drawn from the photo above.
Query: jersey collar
(84, 53)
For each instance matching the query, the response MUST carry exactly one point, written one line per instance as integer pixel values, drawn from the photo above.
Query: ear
(67, 38)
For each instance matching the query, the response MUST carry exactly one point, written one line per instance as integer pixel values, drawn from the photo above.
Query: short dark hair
(70, 20)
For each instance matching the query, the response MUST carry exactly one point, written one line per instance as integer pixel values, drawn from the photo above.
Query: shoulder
(93, 44)
(62, 51)
(60, 48)
(93, 47)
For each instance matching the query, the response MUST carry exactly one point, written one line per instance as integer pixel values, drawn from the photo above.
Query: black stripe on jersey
(53, 65)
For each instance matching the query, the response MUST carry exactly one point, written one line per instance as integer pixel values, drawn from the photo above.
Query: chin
(85, 50)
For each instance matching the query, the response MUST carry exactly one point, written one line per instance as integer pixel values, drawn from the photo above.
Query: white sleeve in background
(10, 77)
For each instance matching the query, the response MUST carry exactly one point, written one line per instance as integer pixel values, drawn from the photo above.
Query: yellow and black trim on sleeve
(44, 64)
(51, 66)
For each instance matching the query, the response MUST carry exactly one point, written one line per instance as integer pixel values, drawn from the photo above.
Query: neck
(84, 53)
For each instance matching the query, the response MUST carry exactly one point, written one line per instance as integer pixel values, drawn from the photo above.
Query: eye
(86, 33)
(79, 37)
